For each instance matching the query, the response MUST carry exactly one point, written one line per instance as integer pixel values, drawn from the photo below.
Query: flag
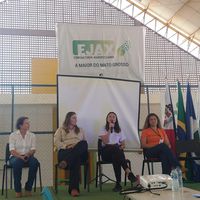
(192, 133)
(181, 124)
(169, 122)
(191, 120)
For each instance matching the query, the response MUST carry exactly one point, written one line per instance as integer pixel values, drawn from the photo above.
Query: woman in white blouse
(22, 147)
(113, 144)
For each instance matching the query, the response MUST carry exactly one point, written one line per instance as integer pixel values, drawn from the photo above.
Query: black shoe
(117, 188)
(131, 177)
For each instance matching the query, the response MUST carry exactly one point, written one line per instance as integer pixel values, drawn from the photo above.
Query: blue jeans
(17, 165)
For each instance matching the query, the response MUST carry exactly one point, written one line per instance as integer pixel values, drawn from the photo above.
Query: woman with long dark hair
(113, 140)
(72, 149)
(155, 143)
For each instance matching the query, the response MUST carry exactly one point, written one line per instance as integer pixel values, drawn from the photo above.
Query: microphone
(111, 130)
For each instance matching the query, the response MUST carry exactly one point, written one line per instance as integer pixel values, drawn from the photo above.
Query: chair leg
(143, 163)
(3, 180)
(11, 178)
(97, 173)
(40, 177)
(148, 168)
(152, 169)
(88, 175)
(35, 181)
(125, 179)
(85, 175)
(100, 177)
(7, 183)
(56, 177)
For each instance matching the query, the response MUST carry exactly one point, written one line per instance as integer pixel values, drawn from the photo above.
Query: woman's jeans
(74, 157)
(164, 153)
(115, 155)
(17, 165)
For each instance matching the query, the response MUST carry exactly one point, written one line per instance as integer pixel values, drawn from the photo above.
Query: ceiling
(183, 16)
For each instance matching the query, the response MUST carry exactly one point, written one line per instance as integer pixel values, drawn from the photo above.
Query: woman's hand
(122, 145)
(105, 138)
(18, 155)
(70, 146)
(23, 157)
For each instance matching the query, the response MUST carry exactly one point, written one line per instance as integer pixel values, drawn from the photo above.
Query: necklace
(156, 132)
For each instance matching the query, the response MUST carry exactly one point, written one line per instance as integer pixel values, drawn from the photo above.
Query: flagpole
(174, 123)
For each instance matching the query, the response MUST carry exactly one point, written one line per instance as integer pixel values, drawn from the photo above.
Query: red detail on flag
(171, 136)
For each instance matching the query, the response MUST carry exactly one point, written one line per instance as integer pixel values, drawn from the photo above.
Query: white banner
(101, 50)
(93, 98)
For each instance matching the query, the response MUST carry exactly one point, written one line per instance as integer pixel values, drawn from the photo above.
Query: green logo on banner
(93, 48)
(123, 49)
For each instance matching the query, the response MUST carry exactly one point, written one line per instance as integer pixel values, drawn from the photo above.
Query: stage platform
(186, 194)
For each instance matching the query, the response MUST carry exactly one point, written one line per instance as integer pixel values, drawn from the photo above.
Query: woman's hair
(117, 128)
(66, 123)
(20, 122)
(147, 124)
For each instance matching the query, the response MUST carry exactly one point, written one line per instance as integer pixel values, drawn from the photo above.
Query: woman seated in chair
(113, 140)
(155, 143)
(72, 149)
(22, 148)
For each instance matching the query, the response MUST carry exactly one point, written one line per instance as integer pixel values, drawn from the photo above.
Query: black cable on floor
(140, 189)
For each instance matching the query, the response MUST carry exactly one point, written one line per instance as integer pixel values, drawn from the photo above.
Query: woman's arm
(33, 146)
(144, 143)
(57, 139)
(30, 153)
(166, 140)
(17, 155)
(122, 144)
(105, 138)
(83, 133)
(13, 152)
